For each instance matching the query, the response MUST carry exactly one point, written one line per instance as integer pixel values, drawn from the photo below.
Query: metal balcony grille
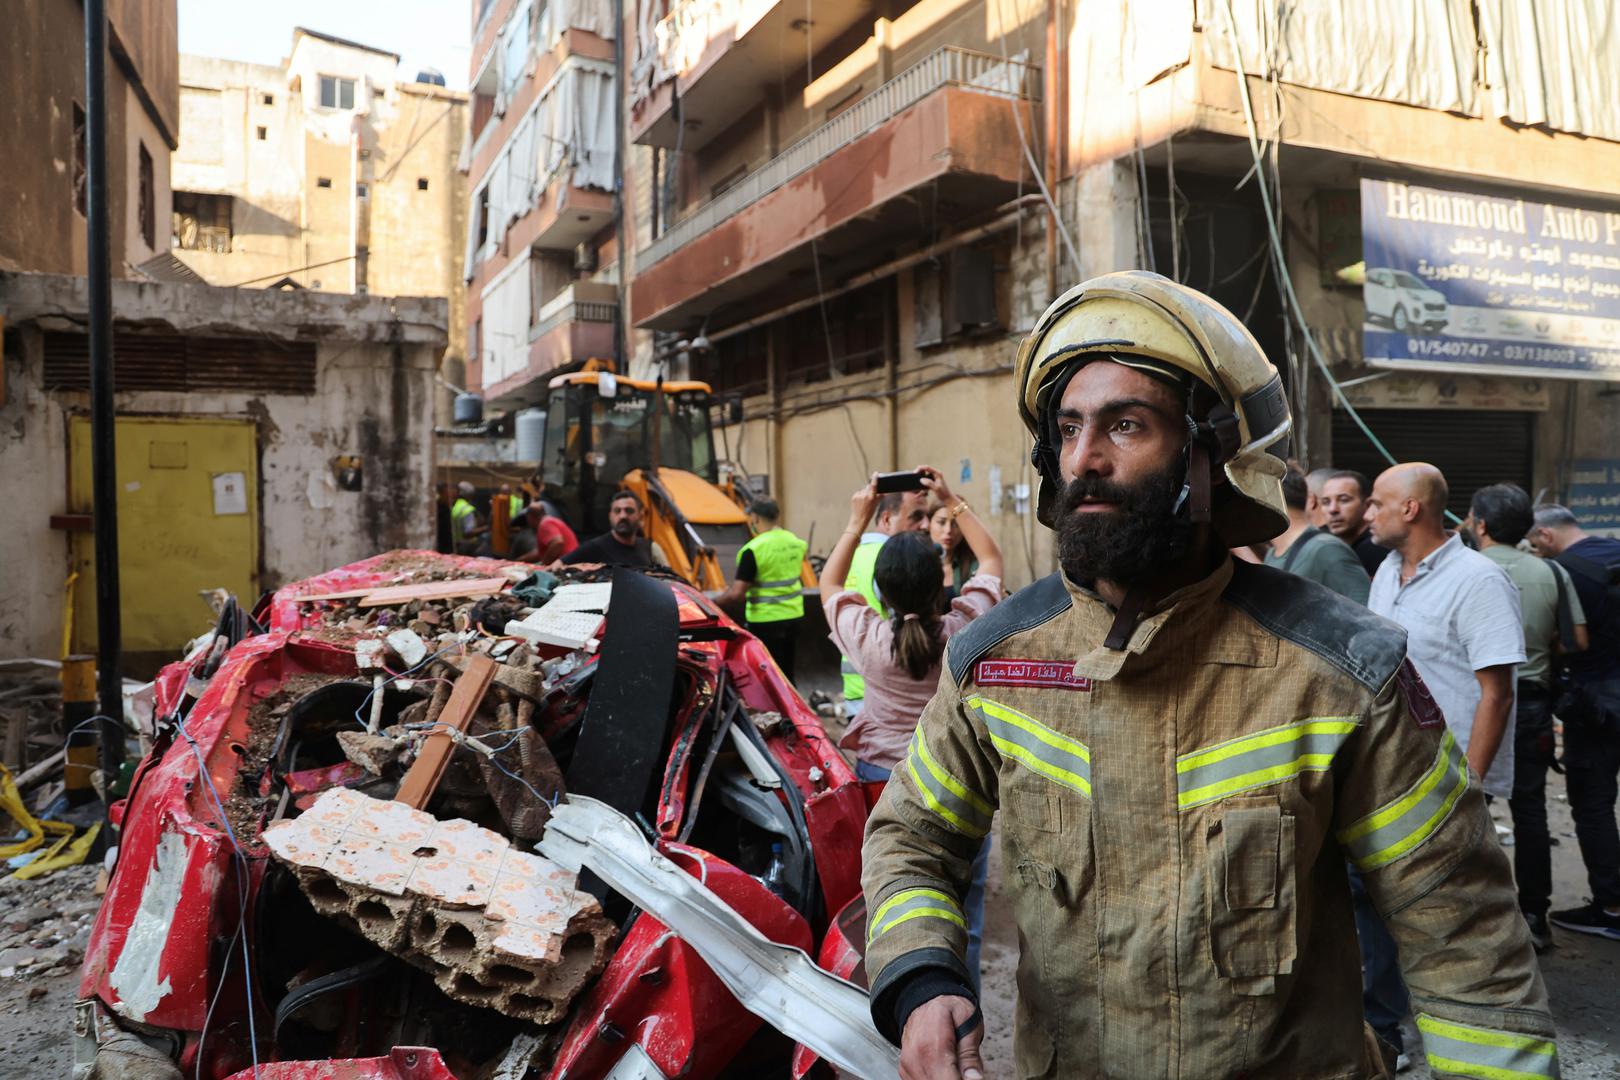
(946, 66)
(578, 311)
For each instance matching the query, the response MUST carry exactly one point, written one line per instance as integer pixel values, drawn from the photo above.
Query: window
(323, 181)
(267, 99)
(262, 133)
(78, 159)
(202, 222)
(148, 198)
(364, 154)
(483, 217)
(336, 93)
(360, 191)
(421, 183)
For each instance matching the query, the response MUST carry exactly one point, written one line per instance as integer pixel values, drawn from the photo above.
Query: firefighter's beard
(1141, 537)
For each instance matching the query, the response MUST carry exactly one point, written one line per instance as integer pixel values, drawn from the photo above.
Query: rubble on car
(331, 852)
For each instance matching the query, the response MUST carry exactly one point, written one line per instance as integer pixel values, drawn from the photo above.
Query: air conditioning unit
(585, 258)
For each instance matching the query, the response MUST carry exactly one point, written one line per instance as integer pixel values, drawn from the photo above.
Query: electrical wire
(1284, 278)
(1029, 155)
(366, 701)
(241, 890)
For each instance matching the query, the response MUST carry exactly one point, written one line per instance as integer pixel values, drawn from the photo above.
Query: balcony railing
(946, 66)
(573, 311)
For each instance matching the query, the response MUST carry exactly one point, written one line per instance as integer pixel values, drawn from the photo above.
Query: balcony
(716, 58)
(574, 325)
(938, 140)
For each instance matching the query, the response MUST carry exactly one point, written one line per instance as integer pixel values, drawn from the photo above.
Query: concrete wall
(373, 397)
(41, 79)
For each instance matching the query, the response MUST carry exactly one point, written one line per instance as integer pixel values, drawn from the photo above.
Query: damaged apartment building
(329, 171)
(263, 434)
(848, 215)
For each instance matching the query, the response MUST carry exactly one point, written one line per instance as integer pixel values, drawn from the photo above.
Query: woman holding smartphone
(900, 656)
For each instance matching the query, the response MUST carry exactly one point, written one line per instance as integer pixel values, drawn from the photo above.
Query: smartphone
(888, 482)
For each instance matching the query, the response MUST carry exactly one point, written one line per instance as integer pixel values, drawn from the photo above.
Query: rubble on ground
(46, 925)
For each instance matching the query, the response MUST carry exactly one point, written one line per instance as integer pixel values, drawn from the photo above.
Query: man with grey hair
(1315, 481)
(1591, 713)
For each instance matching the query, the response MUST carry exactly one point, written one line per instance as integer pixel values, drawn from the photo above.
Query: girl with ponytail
(897, 644)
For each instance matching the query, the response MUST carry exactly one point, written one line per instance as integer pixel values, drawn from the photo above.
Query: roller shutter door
(1472, 448)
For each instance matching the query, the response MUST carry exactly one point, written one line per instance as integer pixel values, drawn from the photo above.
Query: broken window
(361, 191)
(323, 181)
(483, 216)
(261, 132)
(337, 92)
(146, 208)
(78, 160)
(421, 183)
(202, 221)
(267, 99)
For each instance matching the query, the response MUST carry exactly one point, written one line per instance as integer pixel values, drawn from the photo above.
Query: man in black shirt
(622, 544)
(1344, 500)
(1591, 714)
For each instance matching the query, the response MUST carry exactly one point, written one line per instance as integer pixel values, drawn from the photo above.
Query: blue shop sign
(1457, 281)
(1594, 492)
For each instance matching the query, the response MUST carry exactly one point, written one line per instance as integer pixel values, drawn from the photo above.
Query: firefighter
(1185, 750)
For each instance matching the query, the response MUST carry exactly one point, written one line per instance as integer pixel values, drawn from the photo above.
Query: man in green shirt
(1313, 553)
(1500, 516)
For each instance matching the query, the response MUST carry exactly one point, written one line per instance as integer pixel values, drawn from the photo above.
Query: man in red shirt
(543, 539)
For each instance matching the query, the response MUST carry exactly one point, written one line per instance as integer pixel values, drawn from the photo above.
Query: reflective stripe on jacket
(859, 579)
(774, 594)
(1175, 820)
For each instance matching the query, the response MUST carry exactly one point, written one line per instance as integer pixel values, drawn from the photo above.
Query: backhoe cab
(605, 432)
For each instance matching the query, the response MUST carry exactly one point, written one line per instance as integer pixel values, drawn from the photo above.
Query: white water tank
(530, 428)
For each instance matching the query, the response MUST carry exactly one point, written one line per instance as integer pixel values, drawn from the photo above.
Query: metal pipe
(103, 445)
(620, 337)
(1000, 224)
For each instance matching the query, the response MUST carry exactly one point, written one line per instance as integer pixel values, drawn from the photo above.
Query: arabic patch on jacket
(1419, 702)
(1039, 674)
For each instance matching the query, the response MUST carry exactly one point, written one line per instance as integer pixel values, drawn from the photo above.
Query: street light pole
(103, 448)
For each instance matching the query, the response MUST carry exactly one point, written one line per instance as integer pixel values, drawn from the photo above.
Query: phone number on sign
(1539, 353)
(1434, 347)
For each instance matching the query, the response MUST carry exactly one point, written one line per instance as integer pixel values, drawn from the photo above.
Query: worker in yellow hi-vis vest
(767, 580)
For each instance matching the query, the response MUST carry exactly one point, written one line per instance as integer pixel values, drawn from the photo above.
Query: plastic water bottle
(776, 871)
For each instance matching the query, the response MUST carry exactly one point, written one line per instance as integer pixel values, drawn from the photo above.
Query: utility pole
(103, 447)
(621, 339)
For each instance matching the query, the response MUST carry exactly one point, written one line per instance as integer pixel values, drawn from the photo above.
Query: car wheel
(1399, 319)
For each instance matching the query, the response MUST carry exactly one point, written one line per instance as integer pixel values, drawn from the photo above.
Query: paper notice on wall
(995, 489)
(1021, 499)
(230, 493)
(321, 489)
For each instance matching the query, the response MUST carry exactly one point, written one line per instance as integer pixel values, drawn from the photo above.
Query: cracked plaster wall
(373, 398)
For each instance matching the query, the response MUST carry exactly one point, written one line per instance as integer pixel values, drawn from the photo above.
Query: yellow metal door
(188, 521)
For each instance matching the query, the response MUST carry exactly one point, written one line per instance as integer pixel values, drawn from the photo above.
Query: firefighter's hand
(929, 1048)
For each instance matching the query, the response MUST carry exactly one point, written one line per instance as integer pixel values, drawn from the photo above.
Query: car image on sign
(1399, 300)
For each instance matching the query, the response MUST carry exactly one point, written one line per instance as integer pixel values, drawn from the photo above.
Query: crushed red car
(329, 865)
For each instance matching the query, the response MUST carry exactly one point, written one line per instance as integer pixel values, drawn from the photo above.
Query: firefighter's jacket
(1176, 818)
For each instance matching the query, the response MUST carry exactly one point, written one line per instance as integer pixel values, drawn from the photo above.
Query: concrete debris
(408, 645)
(494, 926)
(47, 923)
(373, 753)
